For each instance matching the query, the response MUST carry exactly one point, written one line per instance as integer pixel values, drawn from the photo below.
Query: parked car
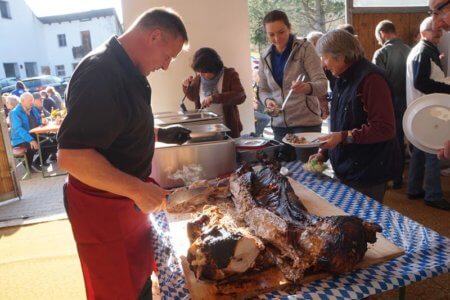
(4, 82)
(39, 83)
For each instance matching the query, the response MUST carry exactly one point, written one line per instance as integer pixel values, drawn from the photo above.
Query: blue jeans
(262, 120)
(303, 154)
(424, 166)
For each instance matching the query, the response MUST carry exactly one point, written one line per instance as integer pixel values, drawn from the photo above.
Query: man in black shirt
(106, 143)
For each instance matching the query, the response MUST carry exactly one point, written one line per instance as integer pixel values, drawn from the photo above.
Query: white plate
(426, 122)
(250, 142)
(309, 136)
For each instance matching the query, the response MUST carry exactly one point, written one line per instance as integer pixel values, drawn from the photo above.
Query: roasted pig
(298, 241)
(220, 248)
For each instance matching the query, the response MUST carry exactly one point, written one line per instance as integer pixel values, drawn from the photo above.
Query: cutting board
(271, 279)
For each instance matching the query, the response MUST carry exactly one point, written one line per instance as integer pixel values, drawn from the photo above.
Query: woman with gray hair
(362, 146)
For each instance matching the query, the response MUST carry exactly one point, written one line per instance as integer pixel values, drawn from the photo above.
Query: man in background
(424, 75)
(391, 57)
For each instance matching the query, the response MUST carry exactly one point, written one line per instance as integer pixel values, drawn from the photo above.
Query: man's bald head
(428, 32)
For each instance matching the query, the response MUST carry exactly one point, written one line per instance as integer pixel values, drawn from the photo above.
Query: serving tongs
(276, 111)
(182, 105)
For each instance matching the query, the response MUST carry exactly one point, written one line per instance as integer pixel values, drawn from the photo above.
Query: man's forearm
(91, 168)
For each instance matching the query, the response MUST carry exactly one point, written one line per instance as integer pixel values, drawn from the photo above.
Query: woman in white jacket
(290, 58)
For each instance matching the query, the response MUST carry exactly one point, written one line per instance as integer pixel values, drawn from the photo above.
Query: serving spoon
(276, 111)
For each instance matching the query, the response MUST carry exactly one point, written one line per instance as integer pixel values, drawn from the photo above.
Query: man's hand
(150, 198)
(331, 140)
(34, 145)
(207, 102)
(173, 135)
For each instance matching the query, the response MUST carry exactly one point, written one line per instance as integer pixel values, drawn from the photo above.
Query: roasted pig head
(220, 248)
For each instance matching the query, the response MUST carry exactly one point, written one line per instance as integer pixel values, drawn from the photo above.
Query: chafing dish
(256, 152)
(190, 116)
(206, 132)
(213, 158)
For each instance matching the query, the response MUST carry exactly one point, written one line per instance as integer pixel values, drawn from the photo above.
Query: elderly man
(424, 75)
(391, 57)
(106, 143)
(23, 118)
(362, 147)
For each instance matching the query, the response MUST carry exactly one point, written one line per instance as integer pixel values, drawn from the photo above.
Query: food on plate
(315, 166)
(269, 226)
(294, 139)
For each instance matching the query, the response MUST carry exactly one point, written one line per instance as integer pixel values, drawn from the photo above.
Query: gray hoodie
(302, 60)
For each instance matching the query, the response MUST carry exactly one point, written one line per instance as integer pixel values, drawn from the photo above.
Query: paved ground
(41, 201)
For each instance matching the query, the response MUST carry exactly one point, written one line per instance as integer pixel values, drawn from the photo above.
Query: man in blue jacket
(23, 118)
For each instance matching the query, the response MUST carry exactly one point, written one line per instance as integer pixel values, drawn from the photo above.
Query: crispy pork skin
(299, 242)
(220, 248)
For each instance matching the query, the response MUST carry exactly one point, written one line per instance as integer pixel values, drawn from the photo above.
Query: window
(45, 70)
(74, 65)
(86, 41)
(62, 40)
(60, 70)
(31, 69)
(4, 10)
(11, 70)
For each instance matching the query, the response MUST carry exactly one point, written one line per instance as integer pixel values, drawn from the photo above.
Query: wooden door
(407, 26)
(9, 187)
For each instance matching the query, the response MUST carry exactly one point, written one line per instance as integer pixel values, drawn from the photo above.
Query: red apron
(113, 240)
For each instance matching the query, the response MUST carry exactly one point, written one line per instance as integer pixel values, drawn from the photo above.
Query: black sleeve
(421, 75)
(94, 119)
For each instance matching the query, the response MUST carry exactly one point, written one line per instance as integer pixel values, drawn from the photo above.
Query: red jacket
(232, 95)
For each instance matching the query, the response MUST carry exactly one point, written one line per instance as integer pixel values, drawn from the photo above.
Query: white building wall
(23, 38)
(100, 30)
(229, 34)
(19, 37)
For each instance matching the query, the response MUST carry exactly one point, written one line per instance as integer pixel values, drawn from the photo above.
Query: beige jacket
(300, 110)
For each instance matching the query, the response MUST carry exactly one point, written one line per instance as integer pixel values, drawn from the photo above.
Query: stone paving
(41, 200)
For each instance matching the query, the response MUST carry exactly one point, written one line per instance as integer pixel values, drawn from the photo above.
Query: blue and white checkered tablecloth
(427, 254)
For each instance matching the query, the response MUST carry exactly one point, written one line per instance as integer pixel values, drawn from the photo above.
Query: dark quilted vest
(359, 164)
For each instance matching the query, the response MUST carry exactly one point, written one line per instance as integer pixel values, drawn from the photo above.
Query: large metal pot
(214, 158)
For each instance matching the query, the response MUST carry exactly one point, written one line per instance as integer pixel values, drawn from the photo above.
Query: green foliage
(304, 15)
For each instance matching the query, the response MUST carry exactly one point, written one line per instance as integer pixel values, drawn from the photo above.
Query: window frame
(7, 10)
(58, 70)
(62, 41)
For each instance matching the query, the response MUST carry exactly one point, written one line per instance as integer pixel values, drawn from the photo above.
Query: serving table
(427, 254)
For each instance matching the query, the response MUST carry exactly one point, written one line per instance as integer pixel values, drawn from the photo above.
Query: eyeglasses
(438, 11)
